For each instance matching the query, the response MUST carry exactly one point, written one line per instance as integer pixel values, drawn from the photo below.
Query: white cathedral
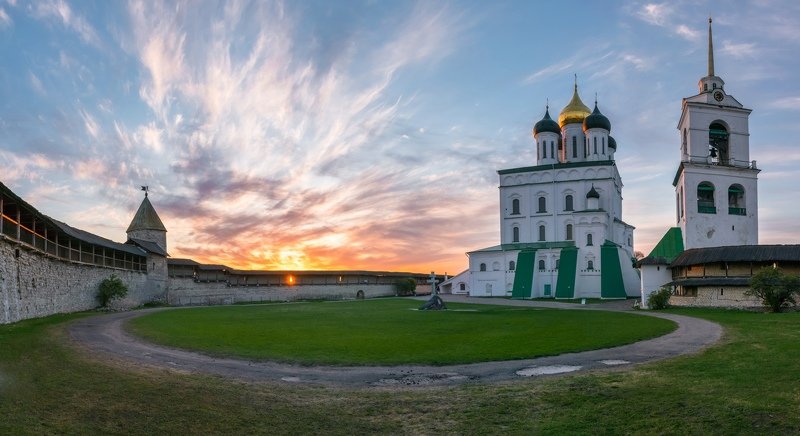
(561, 228)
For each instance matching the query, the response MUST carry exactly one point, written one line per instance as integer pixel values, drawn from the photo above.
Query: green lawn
(746, 385)
(391, 331)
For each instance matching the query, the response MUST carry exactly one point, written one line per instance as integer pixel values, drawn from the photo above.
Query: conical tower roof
(146, 218)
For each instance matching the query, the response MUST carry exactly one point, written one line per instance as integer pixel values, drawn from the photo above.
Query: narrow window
(589, 239)
(557, 263)
(544, 149)
(595, 145)
(552, 149)
(462, 287)
(483, 267)
(568, 203)
(542, 205)
(574, 148)
(590, 265)
(541, 265)
(512, 265)
(569, 232)
(541, 233)
(603, 140)
(515, 206)
(539, 151)
(515, 231)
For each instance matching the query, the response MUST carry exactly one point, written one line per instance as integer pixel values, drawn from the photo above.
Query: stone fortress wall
(48, 267)
(33, 284)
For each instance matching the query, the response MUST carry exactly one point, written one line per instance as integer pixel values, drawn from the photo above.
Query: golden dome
(574, 112)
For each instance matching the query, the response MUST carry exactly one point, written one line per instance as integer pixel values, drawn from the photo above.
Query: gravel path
(105, 336)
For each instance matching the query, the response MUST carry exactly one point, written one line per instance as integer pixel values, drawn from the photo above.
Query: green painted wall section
(523, 276)
(567, 268)
(611, 283)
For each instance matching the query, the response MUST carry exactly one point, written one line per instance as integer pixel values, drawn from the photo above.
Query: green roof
(557, 166)
(527, 246)
(667, 249)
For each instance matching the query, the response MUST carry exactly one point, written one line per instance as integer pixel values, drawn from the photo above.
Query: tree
(774, 287)
(111, 289)
(406, 286)
(659, 299)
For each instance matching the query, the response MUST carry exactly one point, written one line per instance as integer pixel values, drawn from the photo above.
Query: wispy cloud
(5, 20)
(655, 13)
(741, 50)
(688, 33)
(62, 12)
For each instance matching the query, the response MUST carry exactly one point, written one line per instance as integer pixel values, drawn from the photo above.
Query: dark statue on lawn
(435, 302)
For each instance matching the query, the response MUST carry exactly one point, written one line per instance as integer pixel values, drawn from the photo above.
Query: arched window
(539, 150)
(495, 266)
(515, 206)
(552, 149)
(569, 232)
(595, 145)
(483, 267)
(544, 150)
(462, 287)
(574, 148)
(590, 265)
(705, 198)
(568, 203)
(589, 239)
(718, 143)
(541, 233)
(557, 262)
(512, 265)
(488, 288)
(515, 231)
(542, 205)
(736, 200)
(541, 264)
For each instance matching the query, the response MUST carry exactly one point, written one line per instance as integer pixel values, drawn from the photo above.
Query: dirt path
(104, 335)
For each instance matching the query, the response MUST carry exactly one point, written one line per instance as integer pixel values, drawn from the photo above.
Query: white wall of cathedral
(541, 206)
(597, 144)
(547, 148)
(694, 129)
(723, 220)
(653, 278)
(491, 274)
(574, 142)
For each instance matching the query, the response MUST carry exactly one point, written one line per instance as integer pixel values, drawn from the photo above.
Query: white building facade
(561, 228)
(716, 184)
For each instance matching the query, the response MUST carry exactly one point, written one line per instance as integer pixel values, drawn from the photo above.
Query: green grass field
(391, 331)
(746, 385)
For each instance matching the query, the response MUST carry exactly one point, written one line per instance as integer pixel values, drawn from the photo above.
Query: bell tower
(716, 185)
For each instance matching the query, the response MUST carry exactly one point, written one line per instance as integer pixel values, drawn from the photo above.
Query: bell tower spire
(710, 50)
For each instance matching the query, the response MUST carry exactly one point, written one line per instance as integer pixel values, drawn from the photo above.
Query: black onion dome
(546, 124)
(592, 193)
(596, 120)
(612, 143)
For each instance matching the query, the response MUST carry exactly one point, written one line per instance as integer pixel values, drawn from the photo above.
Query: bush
(111, 289)
(659, 299)
(406, 286)
(775, 288)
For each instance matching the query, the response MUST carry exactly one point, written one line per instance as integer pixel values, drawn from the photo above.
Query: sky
(367, 134)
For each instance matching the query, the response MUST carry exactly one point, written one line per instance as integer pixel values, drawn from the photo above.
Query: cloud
(655, 13)
(61, 11)
(36, 84)
(685, 32)
(5, 20)
(787, 103)
(742, 50)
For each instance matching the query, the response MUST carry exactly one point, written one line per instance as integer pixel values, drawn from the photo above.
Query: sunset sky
(367, 134)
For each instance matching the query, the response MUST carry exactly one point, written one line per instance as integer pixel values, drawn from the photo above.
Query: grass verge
(390, 331)
(746, 385)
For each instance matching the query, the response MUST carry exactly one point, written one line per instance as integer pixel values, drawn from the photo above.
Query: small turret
(147, 226)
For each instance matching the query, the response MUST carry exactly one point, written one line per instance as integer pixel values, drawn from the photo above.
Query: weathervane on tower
(146, 189)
